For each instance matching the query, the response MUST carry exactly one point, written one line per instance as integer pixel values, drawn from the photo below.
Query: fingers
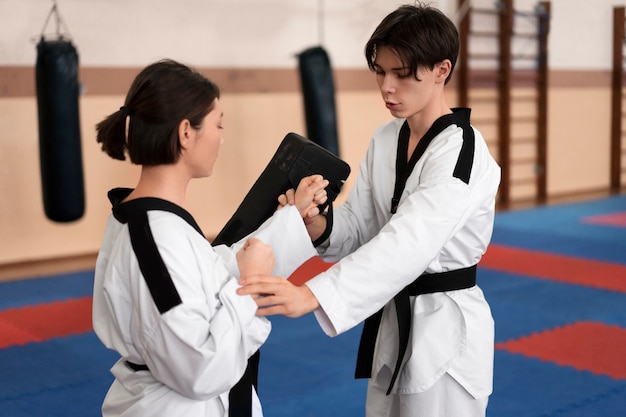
(255, 284)
(312, 179)
(255, 257)
(320, 196)
(254, 243)
(319, 184)
(247, 244)
(311, 193)
(289, 198)
(312, 212)
(313, 182)
(274, 295)
(266, 290)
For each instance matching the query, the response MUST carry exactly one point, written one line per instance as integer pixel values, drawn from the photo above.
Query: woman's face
(206, 143)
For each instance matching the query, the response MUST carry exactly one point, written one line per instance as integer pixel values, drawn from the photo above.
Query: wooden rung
(481, 76)
(525, 97)
(524, 119)
(521, 141)
(483, 100)
(485, 11)
(526, 76)
(523, 161)
(484, 34)
(519, 13)
(523, 181)
(525, 35)
(483, 56)
(524, 57)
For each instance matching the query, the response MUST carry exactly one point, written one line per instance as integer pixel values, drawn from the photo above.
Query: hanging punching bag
(318, 89)
(60, 156)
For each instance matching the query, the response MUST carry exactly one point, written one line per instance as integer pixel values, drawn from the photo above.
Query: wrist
(321, 232)
(310, 302)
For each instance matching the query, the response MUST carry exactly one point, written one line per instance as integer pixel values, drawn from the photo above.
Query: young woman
(163, 297)
(409, 237)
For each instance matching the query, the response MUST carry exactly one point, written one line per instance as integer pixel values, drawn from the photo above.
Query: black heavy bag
(296, 158)
(59, 130)
(318, 90)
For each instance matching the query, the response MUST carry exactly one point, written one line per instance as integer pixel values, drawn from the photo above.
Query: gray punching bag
(60, 157)
(318, 89)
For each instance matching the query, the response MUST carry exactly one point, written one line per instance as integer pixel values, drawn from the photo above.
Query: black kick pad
(296, 158)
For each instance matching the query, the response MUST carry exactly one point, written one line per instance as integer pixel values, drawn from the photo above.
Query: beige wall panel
(523, 192)
(523, 151)
(255, 123)
(578, 140)
(522, 173)
(254, 126)
(523, 106)
(25, 232)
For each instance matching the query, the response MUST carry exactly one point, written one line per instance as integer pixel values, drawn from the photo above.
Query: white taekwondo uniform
(442, 224)
(188, 326)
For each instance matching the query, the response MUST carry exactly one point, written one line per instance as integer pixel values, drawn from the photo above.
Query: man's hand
(311, 192)
(276, 295)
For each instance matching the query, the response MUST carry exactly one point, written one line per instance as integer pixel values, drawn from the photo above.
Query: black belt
(426, 284)
(240, 396)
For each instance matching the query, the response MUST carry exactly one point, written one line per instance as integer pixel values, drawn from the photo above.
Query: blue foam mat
(304, 373)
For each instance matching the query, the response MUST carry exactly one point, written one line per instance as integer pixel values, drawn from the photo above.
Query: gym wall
(248, 47)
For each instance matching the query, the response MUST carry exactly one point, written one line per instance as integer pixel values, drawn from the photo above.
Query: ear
(443, 70)
(185, 133)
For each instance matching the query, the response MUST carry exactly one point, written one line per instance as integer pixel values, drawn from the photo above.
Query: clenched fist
(255, 258)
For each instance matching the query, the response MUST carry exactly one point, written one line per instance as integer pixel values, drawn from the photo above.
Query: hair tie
(125, 110)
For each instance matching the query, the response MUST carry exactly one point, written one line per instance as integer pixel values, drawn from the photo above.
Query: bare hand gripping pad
(296, 158)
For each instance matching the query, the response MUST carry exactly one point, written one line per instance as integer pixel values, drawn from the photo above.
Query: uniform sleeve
(200, 347)
(429, 214)
(286, 234)
(353, 218)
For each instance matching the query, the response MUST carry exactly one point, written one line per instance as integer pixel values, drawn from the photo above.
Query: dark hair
(162, 95)
(420, 35)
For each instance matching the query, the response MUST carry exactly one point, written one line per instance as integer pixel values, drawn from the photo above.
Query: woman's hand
(275, 295)
(255, 258)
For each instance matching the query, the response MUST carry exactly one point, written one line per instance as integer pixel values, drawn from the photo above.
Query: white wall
(580, 34)
(263, 33)
(208, 33)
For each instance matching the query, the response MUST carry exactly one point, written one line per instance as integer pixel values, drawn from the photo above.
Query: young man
(409, 237)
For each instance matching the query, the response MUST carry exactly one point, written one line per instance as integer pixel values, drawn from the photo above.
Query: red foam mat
(613, 219)
(604, 275)
(568, 269)
(585, 346)
(19, 326)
